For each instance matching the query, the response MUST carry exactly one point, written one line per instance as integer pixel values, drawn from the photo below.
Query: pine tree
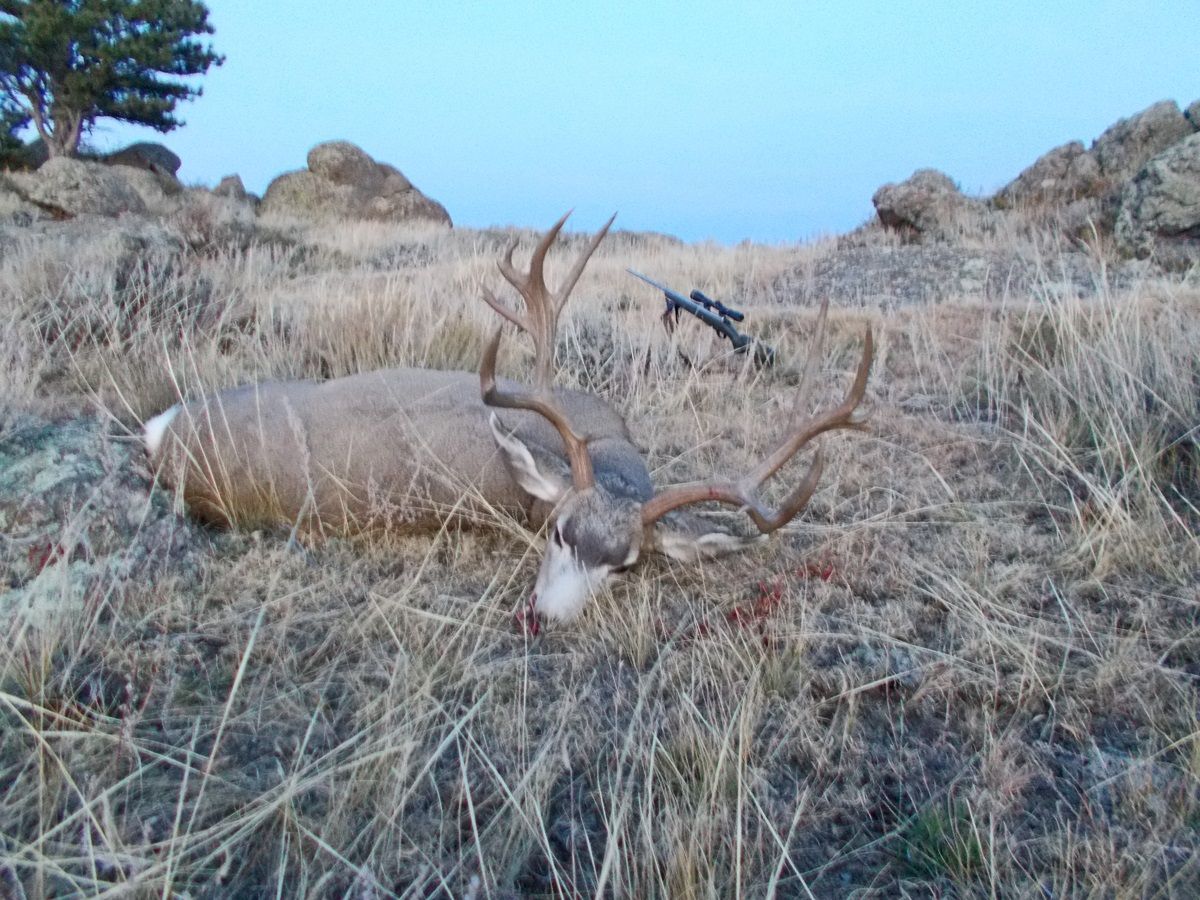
(66, 63)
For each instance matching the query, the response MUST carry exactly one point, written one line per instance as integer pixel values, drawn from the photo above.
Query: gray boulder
(928, 204)
(145, 155)
(1160, 207)
(344, 163)
(77, 187)
(343, 182)
(1129, 144)
(1065, 174)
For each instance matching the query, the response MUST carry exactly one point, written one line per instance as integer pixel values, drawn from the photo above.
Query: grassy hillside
(969, 669)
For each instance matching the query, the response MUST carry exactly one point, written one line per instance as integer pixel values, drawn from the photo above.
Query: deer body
(409, 447)
(396, 448)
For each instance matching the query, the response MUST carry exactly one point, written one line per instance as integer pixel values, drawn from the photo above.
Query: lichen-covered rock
(78, 187)
(79, 519)
(928, 204)
(343, 163)
(1065, 174)
(343, 182)
(308, 196)
(1129, 144)
(1160, 207)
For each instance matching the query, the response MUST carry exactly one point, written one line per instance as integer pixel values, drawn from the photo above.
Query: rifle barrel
(719, 323)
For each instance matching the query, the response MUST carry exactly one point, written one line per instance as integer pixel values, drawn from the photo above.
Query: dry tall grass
(970, 670)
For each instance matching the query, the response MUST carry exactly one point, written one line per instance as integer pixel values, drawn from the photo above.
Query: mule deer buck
(412, 447)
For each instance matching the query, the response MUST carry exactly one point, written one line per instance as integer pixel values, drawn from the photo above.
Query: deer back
(397, 448)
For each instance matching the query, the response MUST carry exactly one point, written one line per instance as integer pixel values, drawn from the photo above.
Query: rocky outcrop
(1160, 207)
(1192, 114)
(343, 182)
(1129, 144)
(77, 187)
(1064, 175)
(928, 204)
(865, 270)
(341, 162)
(1139, 181)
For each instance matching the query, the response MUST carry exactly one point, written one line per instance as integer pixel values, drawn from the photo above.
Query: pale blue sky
(766, 121)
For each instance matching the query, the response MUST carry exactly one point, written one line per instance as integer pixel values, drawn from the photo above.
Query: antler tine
(490, 299)
(533, 282)
(541, 323)
(841, 416)
(573, 276)
(541, 403)
(537, 259)
(508, 270)
(743, 493)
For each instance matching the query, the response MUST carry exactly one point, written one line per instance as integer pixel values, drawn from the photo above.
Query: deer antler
(743, 493)
(540, 321)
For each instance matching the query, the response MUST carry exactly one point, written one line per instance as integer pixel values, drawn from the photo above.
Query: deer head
(595, 532)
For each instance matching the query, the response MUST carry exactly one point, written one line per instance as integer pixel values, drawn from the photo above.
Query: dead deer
(411, 448)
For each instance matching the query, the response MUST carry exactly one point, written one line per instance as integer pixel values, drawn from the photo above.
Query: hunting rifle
(712, 313)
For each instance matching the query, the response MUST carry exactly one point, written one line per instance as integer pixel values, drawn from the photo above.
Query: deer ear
(546, 477)
(688, 547)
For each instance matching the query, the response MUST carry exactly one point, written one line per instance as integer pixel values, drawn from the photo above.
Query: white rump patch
(155, 429)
